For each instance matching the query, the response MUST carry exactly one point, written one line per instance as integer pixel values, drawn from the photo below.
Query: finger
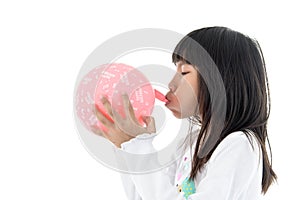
(106, 135)
(122, 124)
(101, 117)
(96, 130)
(118, 118)
(128, 109)
(150, 124)
(107, 106)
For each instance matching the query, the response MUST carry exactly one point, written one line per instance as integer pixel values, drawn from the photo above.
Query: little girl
(228, 157)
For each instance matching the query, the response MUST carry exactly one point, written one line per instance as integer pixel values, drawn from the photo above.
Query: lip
(169, 96)
(168, 100)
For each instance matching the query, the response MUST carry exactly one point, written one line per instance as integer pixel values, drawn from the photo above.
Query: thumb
(150, 124)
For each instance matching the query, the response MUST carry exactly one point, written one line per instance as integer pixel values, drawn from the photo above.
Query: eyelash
(184, 73)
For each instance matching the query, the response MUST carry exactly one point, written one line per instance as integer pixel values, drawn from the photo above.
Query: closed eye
(184, 73)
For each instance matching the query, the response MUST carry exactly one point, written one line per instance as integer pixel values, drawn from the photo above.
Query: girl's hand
(121, 129)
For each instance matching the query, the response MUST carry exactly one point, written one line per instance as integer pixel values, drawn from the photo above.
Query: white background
(44, 44)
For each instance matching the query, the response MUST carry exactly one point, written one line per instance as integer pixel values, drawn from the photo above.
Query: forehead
(179, 63)
(183, 64)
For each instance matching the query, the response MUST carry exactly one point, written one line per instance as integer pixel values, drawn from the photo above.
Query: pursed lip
(168, 98)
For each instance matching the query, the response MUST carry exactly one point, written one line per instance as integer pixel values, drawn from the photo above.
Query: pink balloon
(111, 81)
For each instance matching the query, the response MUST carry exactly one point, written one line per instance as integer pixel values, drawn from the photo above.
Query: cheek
(187, 98)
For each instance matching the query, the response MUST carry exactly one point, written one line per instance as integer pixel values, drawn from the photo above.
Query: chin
(177, 115)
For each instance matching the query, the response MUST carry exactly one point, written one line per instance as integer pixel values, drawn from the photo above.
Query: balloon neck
(160, 96)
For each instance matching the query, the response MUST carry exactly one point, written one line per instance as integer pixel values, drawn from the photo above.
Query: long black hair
(241, 64)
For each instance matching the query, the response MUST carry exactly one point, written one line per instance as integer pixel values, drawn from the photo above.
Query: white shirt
(234, 172)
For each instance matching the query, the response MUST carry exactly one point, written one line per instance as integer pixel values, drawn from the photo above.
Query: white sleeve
(129, 187)
(151, 186)
(231, 168)
(140, 144)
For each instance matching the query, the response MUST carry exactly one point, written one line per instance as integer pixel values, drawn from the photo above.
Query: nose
(174, 82)
(171, 87)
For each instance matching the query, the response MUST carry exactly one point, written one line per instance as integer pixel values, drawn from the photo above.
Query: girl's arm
(129, 187)
(139, 147)
(151, 186)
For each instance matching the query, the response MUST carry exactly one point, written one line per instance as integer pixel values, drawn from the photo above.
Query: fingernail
(125, 96)
(103, 98)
